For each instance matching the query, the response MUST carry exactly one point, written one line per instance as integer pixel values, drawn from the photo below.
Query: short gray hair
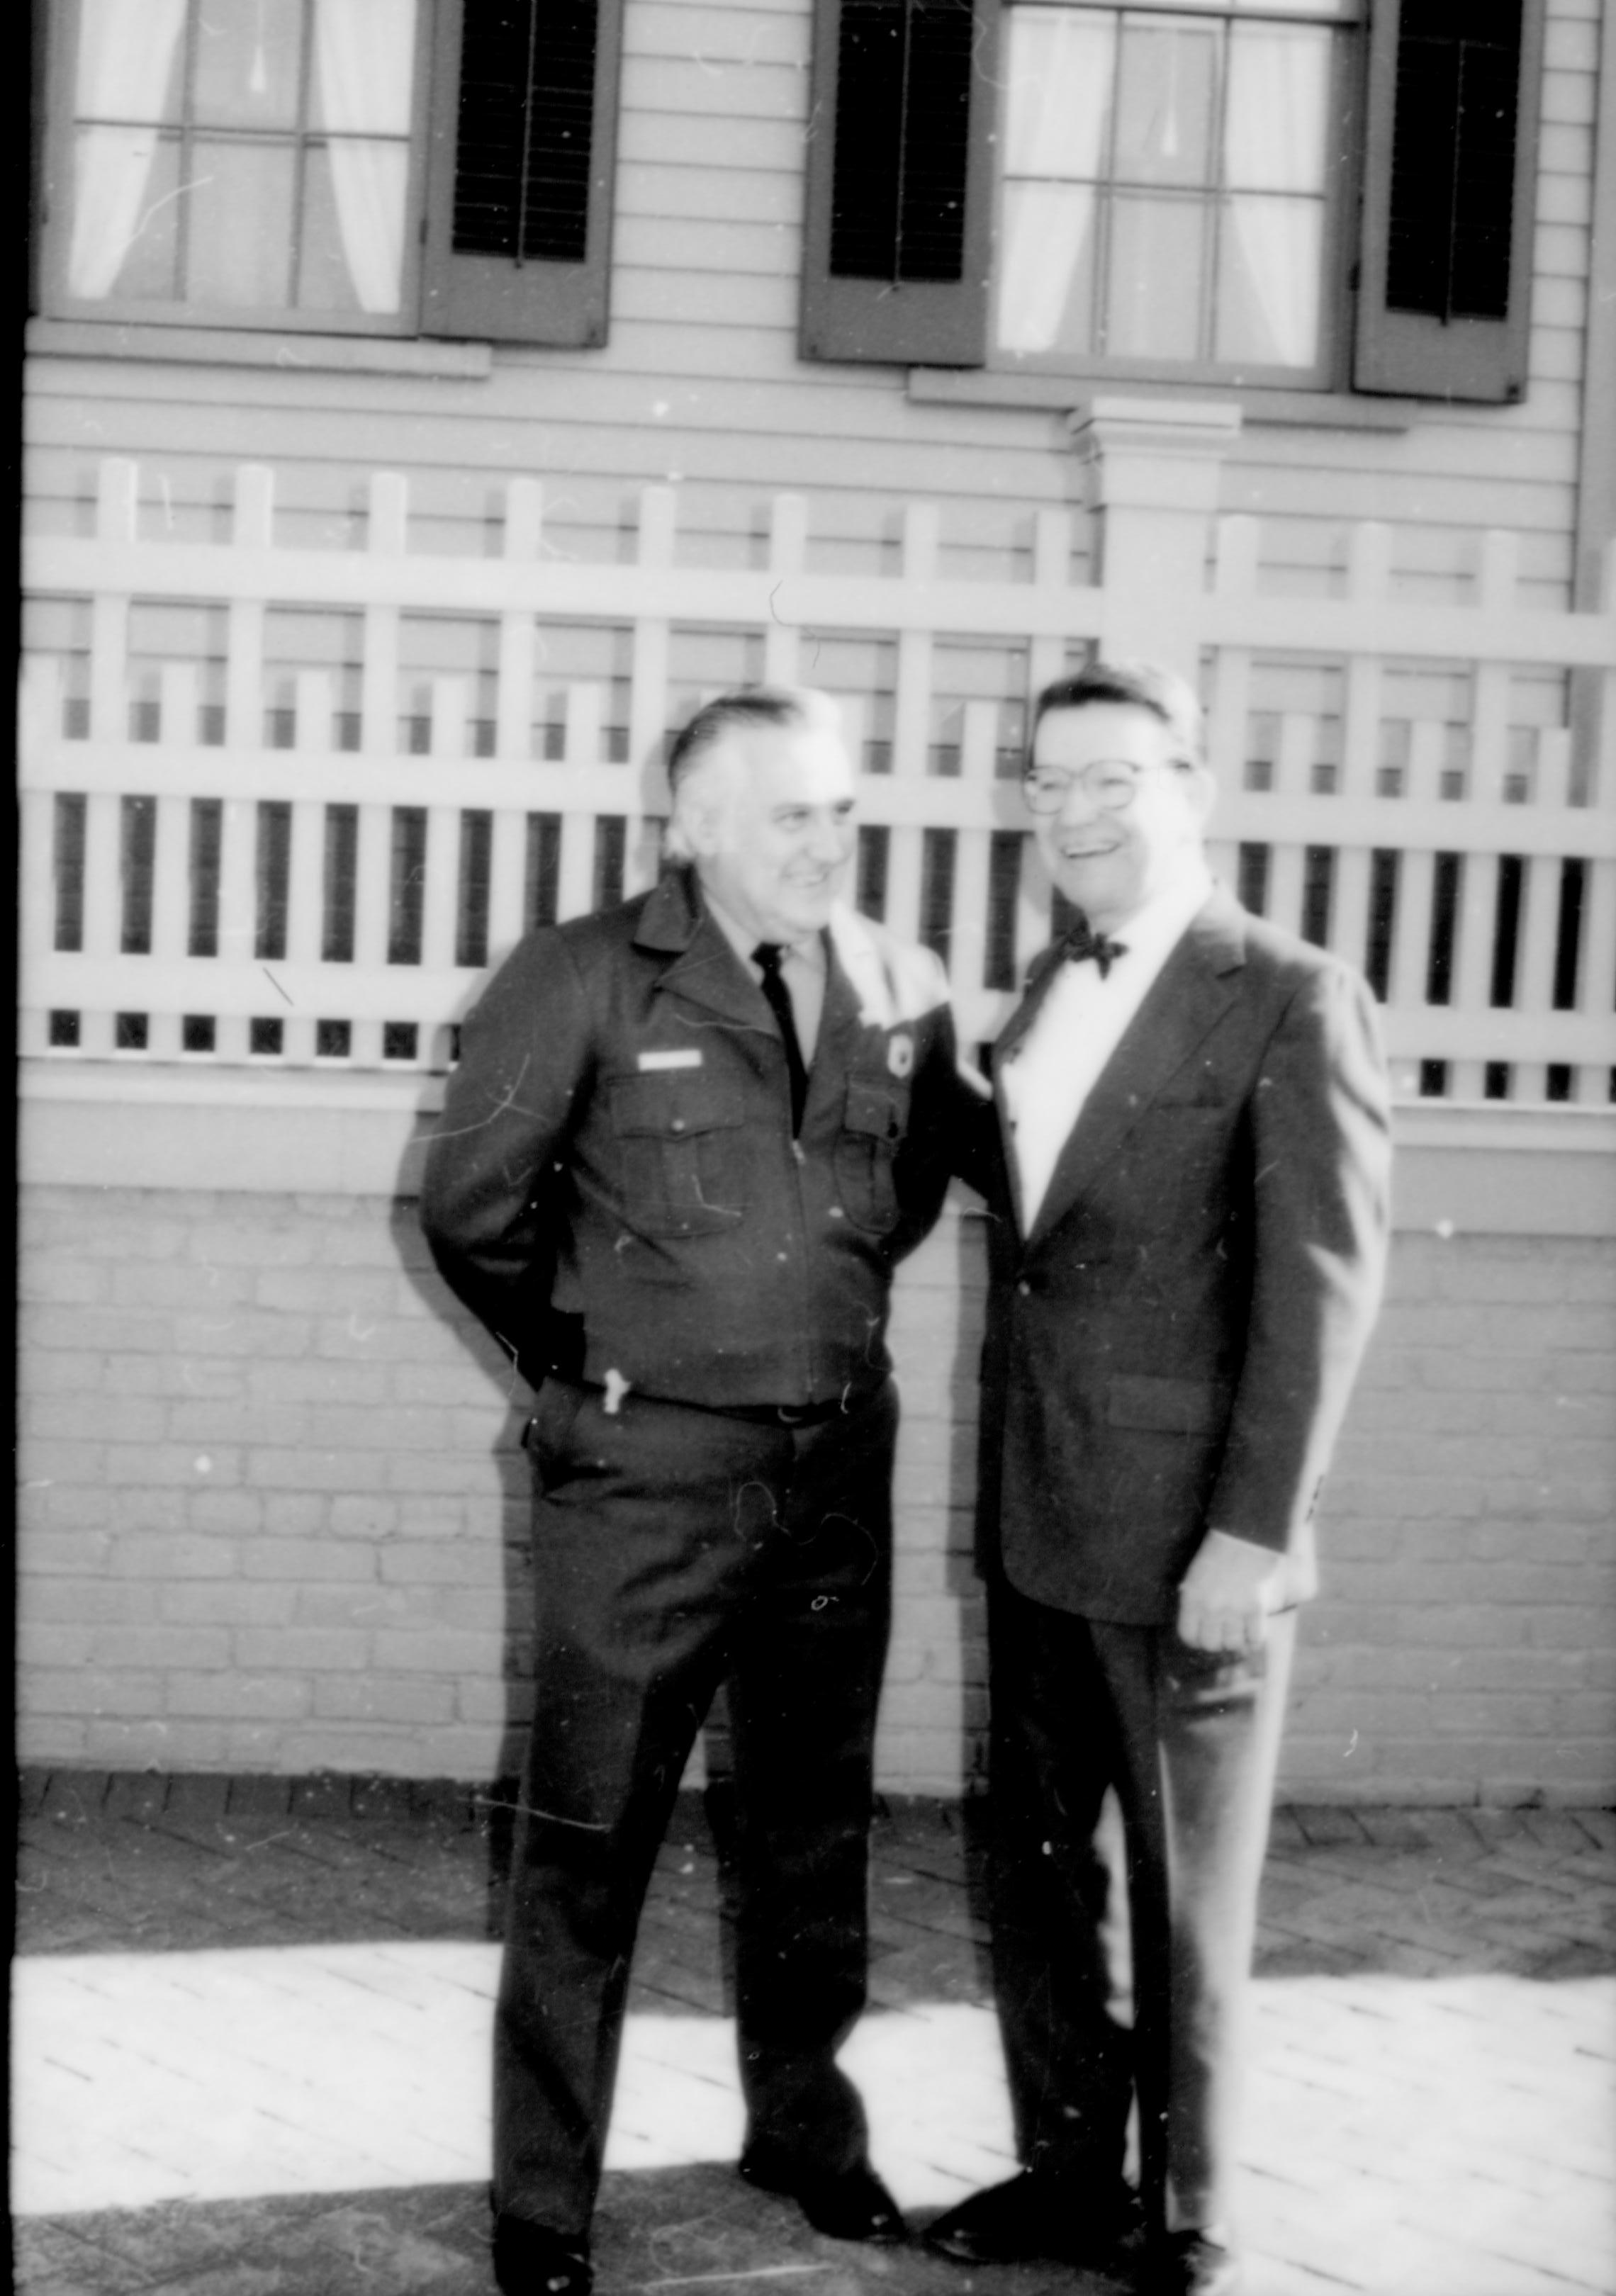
(747, 707)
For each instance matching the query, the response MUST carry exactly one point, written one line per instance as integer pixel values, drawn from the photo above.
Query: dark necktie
(1080, 942)
(769, 953)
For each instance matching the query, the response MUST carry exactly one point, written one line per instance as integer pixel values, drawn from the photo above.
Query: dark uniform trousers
(677, 1548)
(1190, 1741)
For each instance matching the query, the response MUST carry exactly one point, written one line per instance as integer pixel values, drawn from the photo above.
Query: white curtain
(126, 56)
(1062, 68)
(1274, 144)
(365, 52)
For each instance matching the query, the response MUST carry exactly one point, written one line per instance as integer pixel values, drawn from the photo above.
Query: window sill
(241, 346)
(1314, 410)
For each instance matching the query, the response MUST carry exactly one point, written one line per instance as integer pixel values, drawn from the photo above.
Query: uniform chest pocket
(874, 1121)
(681, 1137)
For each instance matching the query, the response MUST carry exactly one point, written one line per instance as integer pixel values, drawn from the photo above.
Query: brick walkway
(250, 2052)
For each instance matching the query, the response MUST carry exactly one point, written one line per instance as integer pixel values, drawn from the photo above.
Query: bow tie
(1080, 942)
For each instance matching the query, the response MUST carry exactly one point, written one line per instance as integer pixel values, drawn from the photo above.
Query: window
(1166, 180)
(383, 167)
(1171, 189)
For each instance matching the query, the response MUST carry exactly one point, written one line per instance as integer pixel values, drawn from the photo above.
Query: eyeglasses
(1108, 782)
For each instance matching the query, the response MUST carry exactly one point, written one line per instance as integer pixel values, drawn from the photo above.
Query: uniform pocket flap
(1167, 1407)
(673, 1103)
(873, 1108)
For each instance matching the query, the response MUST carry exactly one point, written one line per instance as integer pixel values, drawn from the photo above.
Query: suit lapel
(1185, 1001)
(1046, 966)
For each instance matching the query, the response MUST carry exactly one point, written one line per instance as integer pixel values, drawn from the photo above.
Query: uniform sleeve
(1322, 1141)
(488, 1200)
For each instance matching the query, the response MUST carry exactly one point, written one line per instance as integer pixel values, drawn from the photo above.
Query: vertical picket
(1490, 687)
(1368, 578)
(1535, 968)
(968, 946)
(1596, 986)
(513, 702)
(648, 671)
(448, 743)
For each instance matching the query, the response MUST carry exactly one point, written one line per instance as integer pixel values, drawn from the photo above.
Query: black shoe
(844, 2203)
(530, 2260)
(1031, 2218)
(1189, 2264)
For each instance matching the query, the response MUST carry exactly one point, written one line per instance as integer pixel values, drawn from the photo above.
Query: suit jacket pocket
(1167, 1407)
(681, 1137)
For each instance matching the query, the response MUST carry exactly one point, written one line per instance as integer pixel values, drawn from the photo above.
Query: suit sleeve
(490, 1199)
(1322, 1152)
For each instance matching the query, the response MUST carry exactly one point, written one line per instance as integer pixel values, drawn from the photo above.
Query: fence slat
(507, 881)
(1535, 972)
(170, 878)
(1349, 906)
(440, 908)
(912, 693)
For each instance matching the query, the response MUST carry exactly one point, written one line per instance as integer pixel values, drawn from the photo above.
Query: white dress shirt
(1079, 1026)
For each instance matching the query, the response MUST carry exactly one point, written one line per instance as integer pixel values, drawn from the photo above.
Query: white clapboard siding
(97, 979)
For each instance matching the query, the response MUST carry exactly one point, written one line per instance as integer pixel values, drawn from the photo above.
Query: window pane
(365, 66)
(1276, 126)
(1061, 69)
(353, 226)
(1152, 301)
(1268, 280)
(248, 63)
(128, 65)
(1166, 86)
(124, 214)
(1046, 268)
(239, 222)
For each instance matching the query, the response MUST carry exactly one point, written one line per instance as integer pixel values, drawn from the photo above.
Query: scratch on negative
(507, 1100)
(759, 2272)
(554, 1818)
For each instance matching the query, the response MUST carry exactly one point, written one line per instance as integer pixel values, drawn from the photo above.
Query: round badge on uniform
(900, 1055)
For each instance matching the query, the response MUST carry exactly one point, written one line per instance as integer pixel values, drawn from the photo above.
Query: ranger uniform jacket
(613, 1188)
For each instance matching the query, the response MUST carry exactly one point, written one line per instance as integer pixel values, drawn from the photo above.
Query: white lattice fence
(228, 858)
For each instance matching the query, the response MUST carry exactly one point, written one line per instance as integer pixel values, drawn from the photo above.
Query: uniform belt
(764, 1414)
(796, 1414)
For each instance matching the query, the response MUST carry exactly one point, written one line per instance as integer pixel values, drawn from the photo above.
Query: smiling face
(1111, 863)
(767, 814)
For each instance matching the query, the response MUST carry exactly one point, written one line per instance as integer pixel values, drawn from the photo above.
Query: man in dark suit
(685, 1145)
(1186, 1248)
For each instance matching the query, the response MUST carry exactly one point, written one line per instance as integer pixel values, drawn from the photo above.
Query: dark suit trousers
(677, 1548)
(1190, 1742)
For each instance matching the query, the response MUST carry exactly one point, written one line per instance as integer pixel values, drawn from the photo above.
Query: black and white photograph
(817, 1346)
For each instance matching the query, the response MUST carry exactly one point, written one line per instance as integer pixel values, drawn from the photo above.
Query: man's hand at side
(1227, 1593)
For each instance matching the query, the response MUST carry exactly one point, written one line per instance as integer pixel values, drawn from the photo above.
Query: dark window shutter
(899, 190)
(524, 132)
(1450, 176)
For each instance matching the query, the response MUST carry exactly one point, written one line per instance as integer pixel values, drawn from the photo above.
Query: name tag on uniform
(679, 1056)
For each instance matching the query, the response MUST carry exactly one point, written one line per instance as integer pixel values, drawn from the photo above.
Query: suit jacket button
(1025, 1289)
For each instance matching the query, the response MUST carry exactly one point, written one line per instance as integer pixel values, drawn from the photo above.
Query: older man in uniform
(686, 1144)
(1191, 1216)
